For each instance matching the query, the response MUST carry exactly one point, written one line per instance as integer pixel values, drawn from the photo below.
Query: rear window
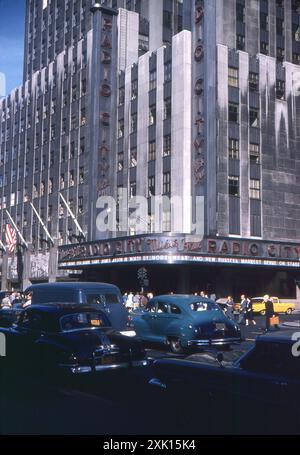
(203, 306)
(53, 295)
(103, 298)
(77, 321)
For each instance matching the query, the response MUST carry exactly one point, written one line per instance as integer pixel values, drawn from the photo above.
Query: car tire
(262, 312)
(289, 311)
(175, 346)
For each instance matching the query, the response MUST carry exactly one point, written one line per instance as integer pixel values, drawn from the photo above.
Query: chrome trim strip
(157, 383)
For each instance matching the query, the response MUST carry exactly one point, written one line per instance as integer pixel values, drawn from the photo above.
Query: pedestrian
(136, 301)
(243, 310)
(249, 313)
(150, 295)
(213, 296)
(230, 307)
(204, 295)
(125, 297)
(28, 300)
(129, 302)
(143, 301)
(269, 311)
(6, 303)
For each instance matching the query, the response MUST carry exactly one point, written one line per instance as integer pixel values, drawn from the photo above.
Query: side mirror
(220, 358)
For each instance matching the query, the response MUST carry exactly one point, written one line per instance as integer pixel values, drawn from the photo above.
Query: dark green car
(183, 321)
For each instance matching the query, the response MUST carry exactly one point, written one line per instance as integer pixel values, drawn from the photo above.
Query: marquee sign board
(176, 249)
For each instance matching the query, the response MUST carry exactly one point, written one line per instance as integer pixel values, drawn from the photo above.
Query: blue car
(184, 321)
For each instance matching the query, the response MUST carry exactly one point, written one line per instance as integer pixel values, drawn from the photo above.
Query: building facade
(196, 101)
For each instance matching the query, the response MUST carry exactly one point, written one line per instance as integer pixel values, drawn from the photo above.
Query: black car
(102, 296)
(258, 393)
(75, 339)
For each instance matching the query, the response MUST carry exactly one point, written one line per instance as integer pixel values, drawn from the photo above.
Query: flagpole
(42, 223)
(16, 228)
(72, 215)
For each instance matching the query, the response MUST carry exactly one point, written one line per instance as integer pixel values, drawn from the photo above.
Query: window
(280, 90)
(120, 128)
(253, 82)
(151, 186)
(240, 42)
(132, 190)
(82, 117)
(280, 54)
(167, 145)
(61, 210)
(120, 161)
(152, 114)
(254, 118)
(80, 204)
(166, 183)
(134, 89)
(83, 87)
(81, 175)
(71, 178)
(234, 185)
(152, 80)
(233, 149)
(81, 150)
(133, 157)
(121, 96)
(167, 108)
(62, 181)
(50, 186)
(133, 123)
(264, 21)
(233, 77)
(264, 48)
(254, 153)
(254, 189)
(233, 112)
(296, 58)
(168, 72)
(152, 151)
(167, 19)
(279, 26)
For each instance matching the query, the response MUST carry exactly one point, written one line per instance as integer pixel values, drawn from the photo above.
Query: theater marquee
(179, 249)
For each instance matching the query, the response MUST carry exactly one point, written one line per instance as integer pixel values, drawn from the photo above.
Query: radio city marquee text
(179, 244)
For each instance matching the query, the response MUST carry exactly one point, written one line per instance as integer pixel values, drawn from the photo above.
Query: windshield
(78, 321)
(203, 306)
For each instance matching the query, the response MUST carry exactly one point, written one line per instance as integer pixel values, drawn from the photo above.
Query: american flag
(11, 238)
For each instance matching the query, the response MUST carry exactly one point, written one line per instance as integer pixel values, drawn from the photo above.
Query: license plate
(220, 326)
(107, 360)
(95, 322)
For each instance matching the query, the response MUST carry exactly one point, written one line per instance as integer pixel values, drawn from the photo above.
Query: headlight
(191, 327)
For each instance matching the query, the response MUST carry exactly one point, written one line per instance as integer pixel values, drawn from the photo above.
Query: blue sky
(12, 14)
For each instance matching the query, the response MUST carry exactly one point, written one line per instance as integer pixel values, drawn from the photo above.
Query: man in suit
(269, 311)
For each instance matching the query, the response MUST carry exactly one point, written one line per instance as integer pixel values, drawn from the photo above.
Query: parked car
(279, 306)
(102, 296)
(258, 392)
(74, 339)
(183, 321)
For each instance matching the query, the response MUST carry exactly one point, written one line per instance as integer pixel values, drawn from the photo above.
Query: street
(114, 404)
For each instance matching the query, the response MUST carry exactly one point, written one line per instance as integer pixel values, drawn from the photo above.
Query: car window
(273, 358)
(105, 298)
(31, 320)
(162, 307)
(174, 309)
(78, 321)
(203, 306)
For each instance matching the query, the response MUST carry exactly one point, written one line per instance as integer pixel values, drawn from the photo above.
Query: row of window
(234, 151)
(234, 187)
(233, 81)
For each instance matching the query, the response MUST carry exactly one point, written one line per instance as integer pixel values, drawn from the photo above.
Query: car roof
(78, 285)
(284, 336)
(61, 309)
(182, 298)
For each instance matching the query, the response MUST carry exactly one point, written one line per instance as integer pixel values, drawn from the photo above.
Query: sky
(12, 16)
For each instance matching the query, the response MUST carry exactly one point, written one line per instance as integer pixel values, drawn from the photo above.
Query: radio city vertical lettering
(10, 238)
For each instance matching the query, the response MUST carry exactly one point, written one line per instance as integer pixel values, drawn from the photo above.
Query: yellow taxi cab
(279, 306)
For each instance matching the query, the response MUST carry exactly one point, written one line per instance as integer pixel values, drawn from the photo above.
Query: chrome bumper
(89, 369)
(214, 342)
